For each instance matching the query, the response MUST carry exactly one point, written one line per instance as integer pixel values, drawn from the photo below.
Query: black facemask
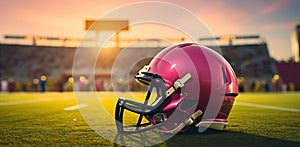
(156, 91)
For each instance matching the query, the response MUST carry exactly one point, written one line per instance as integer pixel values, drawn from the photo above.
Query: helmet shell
(211, 89)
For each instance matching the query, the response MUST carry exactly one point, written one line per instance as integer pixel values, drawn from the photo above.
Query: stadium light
(71, 79)
(227, 37)
(231, 38)
(43, 78)
(14, 37)
(276, 77)
(35, 81)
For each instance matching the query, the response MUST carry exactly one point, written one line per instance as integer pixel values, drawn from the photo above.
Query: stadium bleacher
(24, 63)
(251, 61)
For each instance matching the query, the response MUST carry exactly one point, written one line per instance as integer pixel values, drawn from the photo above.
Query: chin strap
(186, 122)
(178, 84)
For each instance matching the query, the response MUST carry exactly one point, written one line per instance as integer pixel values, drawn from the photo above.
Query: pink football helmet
(189, 85)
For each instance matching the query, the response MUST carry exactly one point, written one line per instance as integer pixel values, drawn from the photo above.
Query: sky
(273, 20)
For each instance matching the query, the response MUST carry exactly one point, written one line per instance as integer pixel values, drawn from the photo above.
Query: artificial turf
(39, 119)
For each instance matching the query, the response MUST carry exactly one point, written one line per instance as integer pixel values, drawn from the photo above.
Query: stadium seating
(27, 62)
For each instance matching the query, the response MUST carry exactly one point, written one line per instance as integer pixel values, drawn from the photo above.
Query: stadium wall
(289, 73)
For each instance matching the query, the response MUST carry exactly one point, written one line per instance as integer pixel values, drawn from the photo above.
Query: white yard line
(75, 107)
(266, 107)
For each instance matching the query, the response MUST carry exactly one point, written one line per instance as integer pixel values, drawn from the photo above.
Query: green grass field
(39, 119)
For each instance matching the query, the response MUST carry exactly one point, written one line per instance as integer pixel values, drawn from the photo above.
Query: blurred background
(260, 39)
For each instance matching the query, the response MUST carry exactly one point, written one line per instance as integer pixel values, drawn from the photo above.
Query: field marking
(267, 107)
(75, 107)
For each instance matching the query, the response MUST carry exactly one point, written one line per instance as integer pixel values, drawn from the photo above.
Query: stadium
(249, 58)
(42, 86)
